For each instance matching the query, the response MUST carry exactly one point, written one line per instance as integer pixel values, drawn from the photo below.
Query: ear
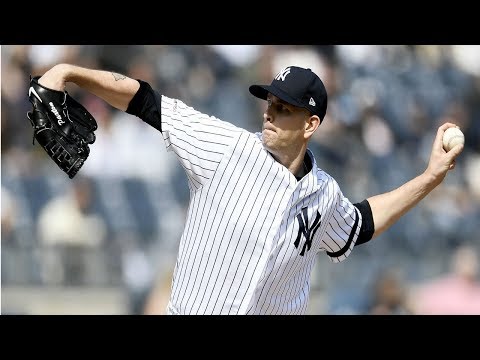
(311, 125)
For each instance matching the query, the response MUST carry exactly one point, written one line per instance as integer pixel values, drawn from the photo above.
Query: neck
(293, 162)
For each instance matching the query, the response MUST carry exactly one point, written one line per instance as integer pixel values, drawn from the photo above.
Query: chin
(268, 145)
(268, 135)
(266, 140)
(270, 140)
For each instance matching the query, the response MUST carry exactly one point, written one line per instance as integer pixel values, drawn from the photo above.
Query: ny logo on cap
(283, 74)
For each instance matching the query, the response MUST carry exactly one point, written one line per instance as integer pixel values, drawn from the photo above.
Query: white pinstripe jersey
(252, 232)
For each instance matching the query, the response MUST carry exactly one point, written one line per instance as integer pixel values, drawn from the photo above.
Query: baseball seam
(453, 138)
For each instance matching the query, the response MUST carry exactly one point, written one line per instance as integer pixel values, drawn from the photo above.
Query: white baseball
(452, 137)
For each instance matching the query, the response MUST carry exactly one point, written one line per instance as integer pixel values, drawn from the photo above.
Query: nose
(267, 116)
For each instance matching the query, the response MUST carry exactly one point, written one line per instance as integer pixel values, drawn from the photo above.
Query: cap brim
(261, 91)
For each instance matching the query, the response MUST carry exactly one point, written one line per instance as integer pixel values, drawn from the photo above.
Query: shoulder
(329, 186)
(323, 178)
(178, 109)
(172, 103)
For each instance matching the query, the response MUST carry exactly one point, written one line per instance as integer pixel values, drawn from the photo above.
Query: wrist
(56, 77)
(64, 71)
(430, 180)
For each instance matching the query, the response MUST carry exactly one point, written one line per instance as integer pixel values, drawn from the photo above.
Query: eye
(282, 109)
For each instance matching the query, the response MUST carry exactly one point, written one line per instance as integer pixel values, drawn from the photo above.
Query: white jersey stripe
(226, 183)
(350, 238)
(223, 220)
(302, 280)
(185, 114)
(346, 209)
(214, 140)
(235, 190)
(247, 242)
(264, 274)
(251, 256)
(194, 165)
(193, 207)
(191, 145)
(332, 243)
(208, 282)
(224, 288)
(199, 157)
(188, 240)
(218, 126)
(198, 223)
(338, 233)
(212, 224)
(241, 257)
(191, 255)
(289, 288)
(192, 183)
(342, 221)
(212, 133)
(295, 284)
(275, 283)
(197, 138)
(325, 198)
(236, 212)
(300, 299)
(279, 282)
(330, 194)
(290, 285)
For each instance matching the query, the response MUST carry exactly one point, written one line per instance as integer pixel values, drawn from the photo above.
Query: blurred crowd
(118, 222)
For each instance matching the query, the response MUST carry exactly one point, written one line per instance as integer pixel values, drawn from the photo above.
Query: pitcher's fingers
(438, 143)
(455, 151)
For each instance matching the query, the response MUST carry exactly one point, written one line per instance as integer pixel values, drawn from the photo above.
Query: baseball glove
(61, 125)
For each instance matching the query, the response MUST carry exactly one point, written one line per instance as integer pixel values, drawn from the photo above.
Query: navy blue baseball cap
(296, 86)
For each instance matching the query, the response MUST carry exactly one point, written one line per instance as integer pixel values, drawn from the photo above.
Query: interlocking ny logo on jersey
(283, 74)
(308, 232)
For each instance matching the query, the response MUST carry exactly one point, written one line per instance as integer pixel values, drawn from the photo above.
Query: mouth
(268, 129)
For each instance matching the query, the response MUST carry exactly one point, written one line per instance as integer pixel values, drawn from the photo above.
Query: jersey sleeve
(343, 228)
(199, 141)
